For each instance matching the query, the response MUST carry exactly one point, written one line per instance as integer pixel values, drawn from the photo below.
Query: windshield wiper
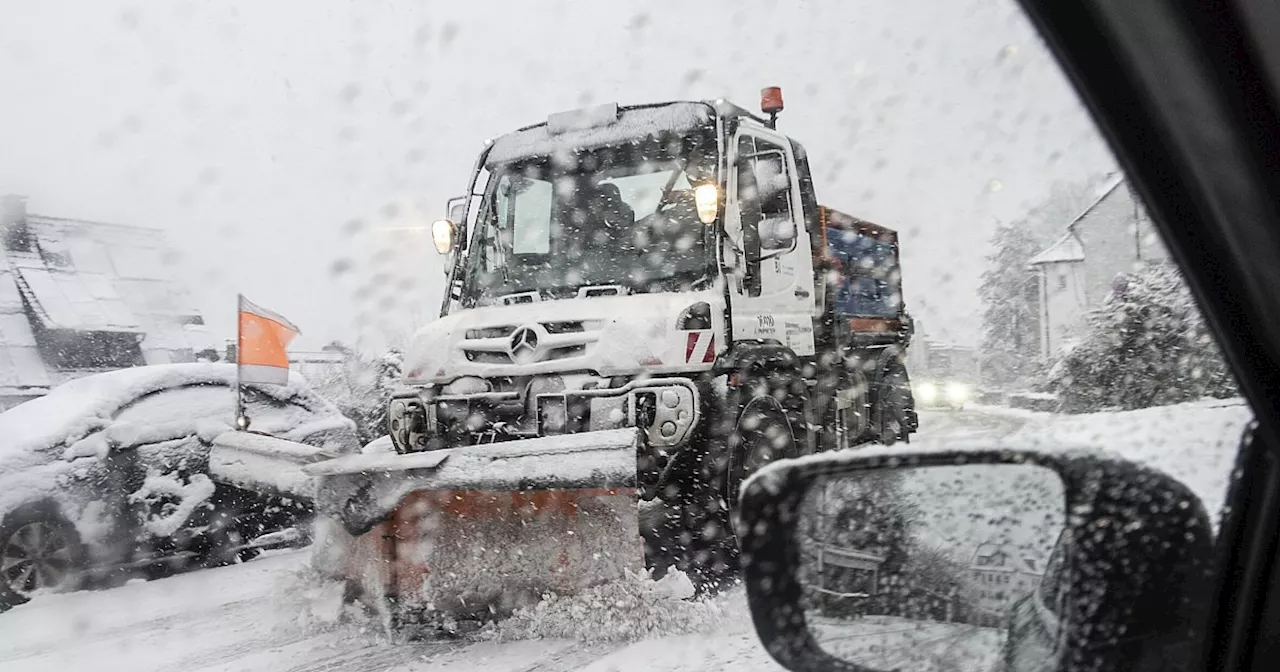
(675, 175)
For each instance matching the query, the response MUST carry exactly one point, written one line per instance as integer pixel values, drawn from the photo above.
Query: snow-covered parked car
(109, 472)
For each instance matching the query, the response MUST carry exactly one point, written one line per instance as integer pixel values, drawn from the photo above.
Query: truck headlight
(957, 393)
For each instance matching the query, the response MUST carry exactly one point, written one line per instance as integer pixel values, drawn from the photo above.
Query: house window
(1062, 281)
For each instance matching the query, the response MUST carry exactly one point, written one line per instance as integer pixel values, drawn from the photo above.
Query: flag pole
(242, 420)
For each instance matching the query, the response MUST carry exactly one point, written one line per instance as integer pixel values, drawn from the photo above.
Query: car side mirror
(1008, 559)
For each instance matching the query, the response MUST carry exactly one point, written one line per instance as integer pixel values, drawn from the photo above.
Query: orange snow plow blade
(482, 530)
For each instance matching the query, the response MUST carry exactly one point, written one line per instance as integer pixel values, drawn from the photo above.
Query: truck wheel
(762, 435)
(39, 552)
(893, 396)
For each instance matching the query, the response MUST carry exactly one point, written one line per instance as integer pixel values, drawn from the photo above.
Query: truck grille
(557, 340)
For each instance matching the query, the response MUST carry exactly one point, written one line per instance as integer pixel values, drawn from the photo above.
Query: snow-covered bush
(362, 388)
(1146, 345)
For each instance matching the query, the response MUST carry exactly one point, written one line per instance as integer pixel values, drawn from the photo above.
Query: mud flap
(480, 531)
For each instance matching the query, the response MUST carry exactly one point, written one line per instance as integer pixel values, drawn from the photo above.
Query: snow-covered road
(265, 615)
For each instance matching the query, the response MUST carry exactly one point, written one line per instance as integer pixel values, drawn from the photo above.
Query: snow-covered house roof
(998, 557)
(67, 276)
(1067, 248)
(1113, 182)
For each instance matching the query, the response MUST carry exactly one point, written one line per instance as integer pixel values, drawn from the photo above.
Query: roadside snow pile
(323, 603)
(1195, 442)
(634, 608)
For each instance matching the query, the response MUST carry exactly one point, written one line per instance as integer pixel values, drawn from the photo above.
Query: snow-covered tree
(1146, 345)
(362, 388)
(1011, 312)
(373, 381)
(1010, 296)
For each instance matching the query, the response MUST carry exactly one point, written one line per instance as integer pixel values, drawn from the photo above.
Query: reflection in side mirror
(926, 559)
(919, 569)
(443, 235)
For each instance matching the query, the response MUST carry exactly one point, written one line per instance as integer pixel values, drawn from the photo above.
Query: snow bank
(1195, 442)
(631, 609)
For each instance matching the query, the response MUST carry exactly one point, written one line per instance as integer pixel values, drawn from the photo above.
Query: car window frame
(1189, 108)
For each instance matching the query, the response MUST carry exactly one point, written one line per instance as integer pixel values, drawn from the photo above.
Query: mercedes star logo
(524, 345)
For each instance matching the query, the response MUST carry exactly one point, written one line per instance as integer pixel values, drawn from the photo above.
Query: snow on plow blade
(479, 531)
(264, 464)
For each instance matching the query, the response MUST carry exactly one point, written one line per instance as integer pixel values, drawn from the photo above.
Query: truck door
(772, 294)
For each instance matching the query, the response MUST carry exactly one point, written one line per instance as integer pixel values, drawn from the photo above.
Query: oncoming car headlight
(927, 392)
(957, 392)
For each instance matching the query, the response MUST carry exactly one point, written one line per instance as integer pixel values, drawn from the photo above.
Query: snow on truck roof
(84, 404)
(598, 127)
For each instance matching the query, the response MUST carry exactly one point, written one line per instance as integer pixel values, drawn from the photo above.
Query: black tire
(762, 435)
(39, 551)
(893, 397)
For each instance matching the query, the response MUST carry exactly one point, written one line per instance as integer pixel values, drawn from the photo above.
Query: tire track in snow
(575, 657)
(159, 626)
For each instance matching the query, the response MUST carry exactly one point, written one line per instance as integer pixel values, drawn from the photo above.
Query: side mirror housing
(458, 210)
(1125, 586)
(777, 236)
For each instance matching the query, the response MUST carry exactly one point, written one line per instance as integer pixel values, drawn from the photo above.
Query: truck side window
(764, 192)
(773, 180)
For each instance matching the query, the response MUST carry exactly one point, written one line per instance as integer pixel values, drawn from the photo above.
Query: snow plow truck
(644, 305)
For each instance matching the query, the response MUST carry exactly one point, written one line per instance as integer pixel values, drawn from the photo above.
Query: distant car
(108, 472)
(941, 393)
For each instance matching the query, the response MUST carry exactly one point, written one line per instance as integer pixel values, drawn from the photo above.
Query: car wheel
(39, 552)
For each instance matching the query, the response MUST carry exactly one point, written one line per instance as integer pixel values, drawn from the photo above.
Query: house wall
(1064, 296)
(997, 589)
(1118, 237)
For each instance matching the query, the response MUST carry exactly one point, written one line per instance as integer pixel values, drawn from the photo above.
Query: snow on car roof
(84, 404)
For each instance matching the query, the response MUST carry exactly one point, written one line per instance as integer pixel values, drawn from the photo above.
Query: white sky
(256, 132)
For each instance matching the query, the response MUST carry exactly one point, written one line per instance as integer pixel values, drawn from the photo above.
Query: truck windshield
(617, 215)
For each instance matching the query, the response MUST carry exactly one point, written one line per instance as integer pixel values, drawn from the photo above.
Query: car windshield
(505, 302)
(619, 215)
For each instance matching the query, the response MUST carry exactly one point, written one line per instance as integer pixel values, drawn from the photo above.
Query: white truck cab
(665, 267)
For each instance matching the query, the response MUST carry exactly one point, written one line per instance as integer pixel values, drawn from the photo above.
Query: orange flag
(260, 351)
